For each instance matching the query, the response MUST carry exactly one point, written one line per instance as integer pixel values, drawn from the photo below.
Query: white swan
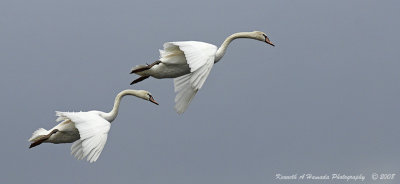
(189, 62)
(88, 130)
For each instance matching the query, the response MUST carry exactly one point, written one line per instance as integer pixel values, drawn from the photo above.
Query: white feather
(38, 132)
(200, 57)
(93, 131)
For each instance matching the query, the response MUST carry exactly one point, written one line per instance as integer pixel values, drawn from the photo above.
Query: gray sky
(325, 100)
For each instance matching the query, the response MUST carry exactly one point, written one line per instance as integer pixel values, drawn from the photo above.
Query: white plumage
(200, 58)
(93, 130)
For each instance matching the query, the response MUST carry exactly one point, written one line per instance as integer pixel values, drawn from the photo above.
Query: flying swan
(87, 130)
(189, 62)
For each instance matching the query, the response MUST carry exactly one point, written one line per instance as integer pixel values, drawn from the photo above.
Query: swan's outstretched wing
(93, 131)
(200, 58)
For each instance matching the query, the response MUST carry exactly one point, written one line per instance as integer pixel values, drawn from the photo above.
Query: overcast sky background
(325, 100)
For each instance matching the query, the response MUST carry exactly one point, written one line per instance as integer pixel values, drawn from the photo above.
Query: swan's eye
(150, 96)
(265, 36)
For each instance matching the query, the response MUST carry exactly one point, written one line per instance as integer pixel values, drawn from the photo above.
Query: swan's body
(87, 130)
(189, 62)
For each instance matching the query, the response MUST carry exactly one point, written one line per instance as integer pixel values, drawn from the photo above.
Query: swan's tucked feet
(155, 63)
(145, 67)
(43, 138)
(139, 79)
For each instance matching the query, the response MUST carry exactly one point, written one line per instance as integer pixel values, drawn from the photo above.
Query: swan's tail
(141, 69)
(38, 137)
(138, 69)
(39, 133)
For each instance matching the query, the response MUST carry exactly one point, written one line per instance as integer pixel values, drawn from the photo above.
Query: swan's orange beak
(269, 42)
(152, 100)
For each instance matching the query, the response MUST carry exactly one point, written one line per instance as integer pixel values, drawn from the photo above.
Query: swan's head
(146, 96)
(258, 35)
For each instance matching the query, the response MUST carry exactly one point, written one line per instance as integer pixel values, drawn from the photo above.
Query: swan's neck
(114, 112)
(222, 49)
